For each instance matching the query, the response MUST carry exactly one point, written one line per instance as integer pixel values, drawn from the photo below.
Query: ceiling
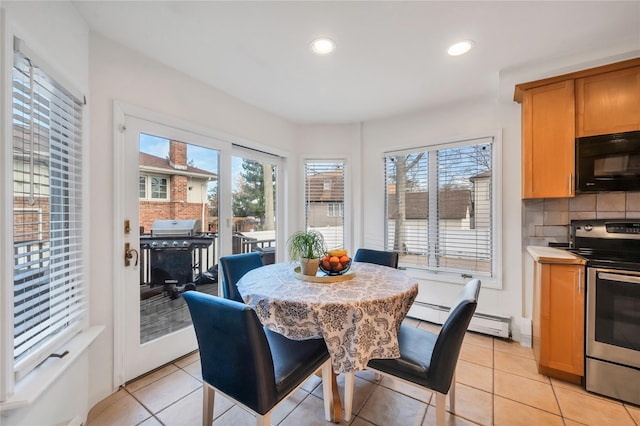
(390, 57)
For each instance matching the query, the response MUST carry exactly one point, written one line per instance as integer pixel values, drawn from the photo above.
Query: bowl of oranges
(335, 262)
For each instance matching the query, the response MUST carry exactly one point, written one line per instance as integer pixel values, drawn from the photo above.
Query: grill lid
(176, 228)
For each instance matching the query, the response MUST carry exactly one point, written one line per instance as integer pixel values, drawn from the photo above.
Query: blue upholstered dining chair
(379, 257)
(429, 360)
(233, 268)
(247, 362)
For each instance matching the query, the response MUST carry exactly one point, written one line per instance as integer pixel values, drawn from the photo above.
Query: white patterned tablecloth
(359, 319)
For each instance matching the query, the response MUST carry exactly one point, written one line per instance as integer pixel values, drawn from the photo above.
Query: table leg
(349, 383)
(336, 404)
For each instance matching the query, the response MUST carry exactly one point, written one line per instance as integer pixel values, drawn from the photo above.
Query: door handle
(128, 255)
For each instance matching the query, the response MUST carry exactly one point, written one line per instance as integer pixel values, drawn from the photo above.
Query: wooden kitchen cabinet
(608, 102)
(556, 110)
(548, 141)
(558, 315)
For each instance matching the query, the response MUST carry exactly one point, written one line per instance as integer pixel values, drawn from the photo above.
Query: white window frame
(263, 156)
(22, 385)
(333, 207)
(347, 231)
(148, 188)
(144, 187)
(495, 280)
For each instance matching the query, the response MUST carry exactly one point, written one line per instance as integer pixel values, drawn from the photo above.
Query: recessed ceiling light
(323, 46)
(460, 48)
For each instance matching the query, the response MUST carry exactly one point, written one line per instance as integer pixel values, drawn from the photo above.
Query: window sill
(449, 278)
(32, 386)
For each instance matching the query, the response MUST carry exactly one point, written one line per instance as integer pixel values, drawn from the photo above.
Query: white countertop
(545, 254)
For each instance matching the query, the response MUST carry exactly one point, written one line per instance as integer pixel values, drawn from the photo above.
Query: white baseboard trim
(490, 324)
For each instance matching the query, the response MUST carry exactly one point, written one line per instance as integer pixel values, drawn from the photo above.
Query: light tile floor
(497, 384)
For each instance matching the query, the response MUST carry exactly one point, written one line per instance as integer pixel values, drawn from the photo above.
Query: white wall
(334, 142)
(117, 73)
(60, 37)
(120, 74)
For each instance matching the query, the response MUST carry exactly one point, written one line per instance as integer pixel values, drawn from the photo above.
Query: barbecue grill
(176, 251)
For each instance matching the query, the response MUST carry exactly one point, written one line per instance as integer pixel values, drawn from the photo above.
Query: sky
(200, 157)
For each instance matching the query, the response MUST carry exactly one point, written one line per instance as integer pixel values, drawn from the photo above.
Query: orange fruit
(337, 267)
(326, 264)
(344, 259)
(334, 259)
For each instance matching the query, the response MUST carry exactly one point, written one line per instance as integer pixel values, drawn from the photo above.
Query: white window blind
(324, 200)
(439, 207)
(49, 293)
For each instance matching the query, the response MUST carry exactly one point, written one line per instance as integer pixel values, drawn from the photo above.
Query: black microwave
(608, 162)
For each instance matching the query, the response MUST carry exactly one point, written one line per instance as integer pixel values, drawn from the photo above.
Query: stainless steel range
(612, 250)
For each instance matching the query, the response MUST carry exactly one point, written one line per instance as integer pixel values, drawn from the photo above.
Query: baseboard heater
(493, 325)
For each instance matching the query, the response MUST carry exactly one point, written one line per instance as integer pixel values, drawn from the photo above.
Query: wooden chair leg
(263, 419)
(327, 392)
(349, 384)
(441, 400)
(208, 395)
(452, 394)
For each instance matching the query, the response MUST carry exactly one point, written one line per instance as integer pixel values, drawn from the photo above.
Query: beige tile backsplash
(611, 202)
(546, 220)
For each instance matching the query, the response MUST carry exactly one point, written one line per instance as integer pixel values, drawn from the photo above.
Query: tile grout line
(145, 407)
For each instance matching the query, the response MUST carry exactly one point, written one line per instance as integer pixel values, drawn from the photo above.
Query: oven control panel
(609, 229)
(623, 227)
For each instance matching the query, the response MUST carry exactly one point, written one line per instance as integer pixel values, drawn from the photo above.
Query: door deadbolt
(128, 255)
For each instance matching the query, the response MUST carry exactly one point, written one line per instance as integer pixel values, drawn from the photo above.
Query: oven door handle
(620, 278)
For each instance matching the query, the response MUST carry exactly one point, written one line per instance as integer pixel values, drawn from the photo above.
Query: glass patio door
(169, 190)
(254, 203)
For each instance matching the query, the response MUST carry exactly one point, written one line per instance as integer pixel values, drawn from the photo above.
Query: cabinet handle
(580, 280)
(571, 183)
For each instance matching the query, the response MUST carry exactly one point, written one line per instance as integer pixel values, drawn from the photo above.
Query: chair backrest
(447, 348)
(233, 268)
(379, 257)
(234, 351)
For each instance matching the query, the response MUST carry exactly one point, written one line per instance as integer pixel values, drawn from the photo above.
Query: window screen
(439, 207)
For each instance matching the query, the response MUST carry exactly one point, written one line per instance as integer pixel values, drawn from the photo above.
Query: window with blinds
(324, 200)
(439, 203)
(48, 282)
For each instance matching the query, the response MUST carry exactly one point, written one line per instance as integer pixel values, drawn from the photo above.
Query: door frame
(121, 111)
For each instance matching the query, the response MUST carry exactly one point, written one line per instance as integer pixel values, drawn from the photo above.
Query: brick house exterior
(186, 188)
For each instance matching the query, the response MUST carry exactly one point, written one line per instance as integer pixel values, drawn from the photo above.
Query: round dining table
(359, 317)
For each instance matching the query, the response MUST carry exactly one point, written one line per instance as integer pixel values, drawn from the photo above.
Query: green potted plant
(308, 247)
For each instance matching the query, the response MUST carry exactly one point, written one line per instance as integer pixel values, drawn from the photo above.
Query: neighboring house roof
(150, 162)
(333, 192)
(482, 175)
(452, 204)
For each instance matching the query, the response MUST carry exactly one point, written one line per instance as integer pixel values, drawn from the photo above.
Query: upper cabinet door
(548, 141)
(608, 103)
